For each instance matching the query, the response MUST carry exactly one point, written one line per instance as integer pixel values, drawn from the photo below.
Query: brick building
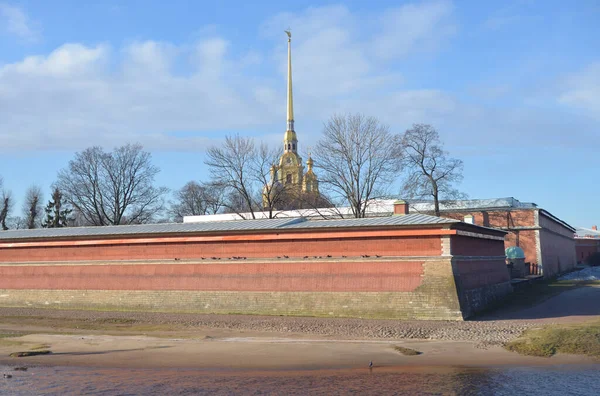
(407, 266)
(587, 242)
(548, 242)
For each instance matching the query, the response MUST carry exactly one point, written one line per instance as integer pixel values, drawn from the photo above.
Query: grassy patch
(582, 339)
(11, 334)
(407, 351)
(116, 325)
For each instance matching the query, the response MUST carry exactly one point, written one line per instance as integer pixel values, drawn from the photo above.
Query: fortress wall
(405, 276)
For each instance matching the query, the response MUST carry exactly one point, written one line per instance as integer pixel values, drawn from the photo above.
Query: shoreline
(119, 339)
(265, 353)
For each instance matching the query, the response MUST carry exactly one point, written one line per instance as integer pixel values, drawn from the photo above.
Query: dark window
(288, 178)
(294, 146)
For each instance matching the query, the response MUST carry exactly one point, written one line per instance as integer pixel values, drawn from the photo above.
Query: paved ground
(570, 306)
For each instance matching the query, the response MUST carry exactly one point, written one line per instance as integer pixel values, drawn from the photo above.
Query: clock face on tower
(289, 160)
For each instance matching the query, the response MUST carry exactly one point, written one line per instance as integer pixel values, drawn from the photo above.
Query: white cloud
(183, 96)
(414, 27)
(582, 90)
(68, 60)
(151, 91)
(16, 22)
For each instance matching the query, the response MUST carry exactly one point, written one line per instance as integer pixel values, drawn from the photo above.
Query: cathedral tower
(290, 169)
(289, 173)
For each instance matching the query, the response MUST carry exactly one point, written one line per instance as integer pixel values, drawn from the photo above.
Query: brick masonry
(416, 275)
(251, 248)
(544, 240)
(585, 247)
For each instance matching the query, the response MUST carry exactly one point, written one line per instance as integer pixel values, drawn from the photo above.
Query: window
(294, 146)
(288, 178)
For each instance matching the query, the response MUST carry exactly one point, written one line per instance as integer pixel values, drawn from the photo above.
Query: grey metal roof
(221, 226)
(143, 229)
(410, 219)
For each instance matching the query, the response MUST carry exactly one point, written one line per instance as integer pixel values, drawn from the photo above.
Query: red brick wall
(350, 247)
(467, 246)
(497, 218)
(526, 240)
(585, 248)
(481, 273)
(378, 276)
(555, 242)
(558, 247)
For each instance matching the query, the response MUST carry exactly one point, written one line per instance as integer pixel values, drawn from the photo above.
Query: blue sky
(513, 87)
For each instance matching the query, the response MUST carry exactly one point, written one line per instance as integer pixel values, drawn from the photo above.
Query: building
(289, 173)
(587, 243)
(409, 266)
(548, 242)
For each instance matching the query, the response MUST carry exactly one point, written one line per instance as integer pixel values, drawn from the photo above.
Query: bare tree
(431, 173)
(229, 166)
(244, 171)
(32, 207)
(112, 188)
(275, 196)
(16, 223)
(6, 204)
(358, 159)
(195, 199)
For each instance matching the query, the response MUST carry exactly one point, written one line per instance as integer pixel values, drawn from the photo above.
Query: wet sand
(261, 353)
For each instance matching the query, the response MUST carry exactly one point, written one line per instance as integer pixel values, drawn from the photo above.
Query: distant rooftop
(377, 207)
(581, 232)
(223, 226)
(468, 204)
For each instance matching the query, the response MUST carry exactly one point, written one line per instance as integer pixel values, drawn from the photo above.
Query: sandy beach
(263, 353)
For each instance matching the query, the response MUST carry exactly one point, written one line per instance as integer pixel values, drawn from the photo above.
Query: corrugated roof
(222, 226)
(143, 229)
(410, 219)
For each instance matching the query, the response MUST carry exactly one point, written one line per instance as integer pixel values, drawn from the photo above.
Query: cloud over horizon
(183, 96)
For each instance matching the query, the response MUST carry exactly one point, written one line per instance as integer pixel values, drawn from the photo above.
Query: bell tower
(289, 173)
(290, 170)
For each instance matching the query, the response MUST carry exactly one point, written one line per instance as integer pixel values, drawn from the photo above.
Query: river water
(555, 380)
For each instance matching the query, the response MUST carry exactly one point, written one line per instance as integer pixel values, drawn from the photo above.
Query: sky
(513, 87)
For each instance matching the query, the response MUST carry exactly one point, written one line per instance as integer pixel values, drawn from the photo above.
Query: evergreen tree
(56, 215)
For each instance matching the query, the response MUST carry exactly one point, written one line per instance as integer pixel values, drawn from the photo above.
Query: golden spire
(290, 101)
